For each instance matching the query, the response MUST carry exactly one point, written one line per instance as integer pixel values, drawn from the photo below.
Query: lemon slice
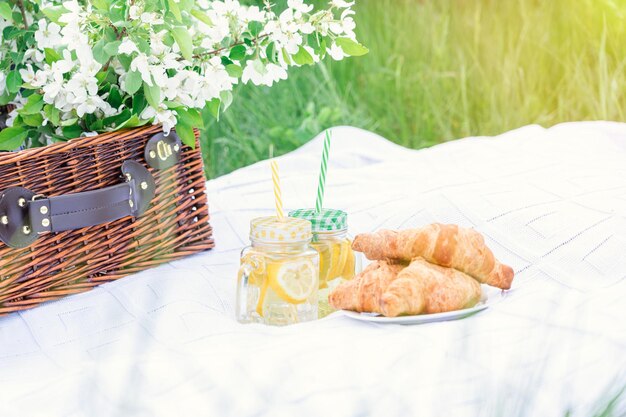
(339, 254)
(293, 281)
(350, 266)
(324, 252)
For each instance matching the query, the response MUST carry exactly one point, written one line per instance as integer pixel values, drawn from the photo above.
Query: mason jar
(338, 262)
(278, 278)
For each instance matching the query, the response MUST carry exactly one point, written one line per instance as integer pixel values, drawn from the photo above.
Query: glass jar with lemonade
(279, 274)
(338, 262)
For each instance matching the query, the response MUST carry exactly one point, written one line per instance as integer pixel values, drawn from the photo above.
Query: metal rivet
(45, 222)
(4, 220)
(26, 230)
(176, 147)
(21, 202)
(43, 210)
(130, 203)
(144, 185)
(152, 154)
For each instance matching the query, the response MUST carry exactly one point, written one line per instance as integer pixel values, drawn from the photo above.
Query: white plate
(489, 296)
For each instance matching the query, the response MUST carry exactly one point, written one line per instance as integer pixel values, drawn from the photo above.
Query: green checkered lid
(327, 220)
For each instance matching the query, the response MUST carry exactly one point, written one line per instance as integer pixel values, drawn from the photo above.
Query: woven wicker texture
(60, 264)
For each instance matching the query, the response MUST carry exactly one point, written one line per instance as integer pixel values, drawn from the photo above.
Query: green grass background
(440, 70)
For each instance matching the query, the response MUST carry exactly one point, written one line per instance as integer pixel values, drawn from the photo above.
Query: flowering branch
(20, 4)
(99, 66)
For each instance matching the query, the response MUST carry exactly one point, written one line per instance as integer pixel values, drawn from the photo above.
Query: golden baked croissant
(424, 288)
(363, 292)
(442, 244)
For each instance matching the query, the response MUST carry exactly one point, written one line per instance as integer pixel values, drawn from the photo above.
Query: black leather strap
(74, 211)
(23, 215)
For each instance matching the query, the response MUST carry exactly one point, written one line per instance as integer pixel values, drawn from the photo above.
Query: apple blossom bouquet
(78, 68)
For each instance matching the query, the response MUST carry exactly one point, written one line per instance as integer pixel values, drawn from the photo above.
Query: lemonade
(337, 260)
(279, 275)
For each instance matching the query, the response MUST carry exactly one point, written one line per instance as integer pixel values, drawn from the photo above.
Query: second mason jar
(338, 262)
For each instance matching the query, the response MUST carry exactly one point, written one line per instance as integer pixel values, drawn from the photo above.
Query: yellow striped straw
(280, 213)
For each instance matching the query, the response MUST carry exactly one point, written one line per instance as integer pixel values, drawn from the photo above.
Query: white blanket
(550, 202)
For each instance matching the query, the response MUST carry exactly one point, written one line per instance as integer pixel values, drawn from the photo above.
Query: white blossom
(300, 6)
(163, 116)
(342, 3)
(140, 63)
(151, 18)
(261, 74)
(89, 105)
(127, 47)
(336, 52)
(30, 77)
(134, 12)
(48, 35)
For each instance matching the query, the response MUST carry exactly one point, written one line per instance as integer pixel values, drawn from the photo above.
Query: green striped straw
(323, 168)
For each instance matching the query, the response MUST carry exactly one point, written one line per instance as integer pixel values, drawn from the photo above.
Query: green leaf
(189, 117)
(52, 114)
(117, 12)
(11, 32)
(118, 119)
(201, 16)
(226, 99)
(52, 56)
(72, 131)
(95, 125)
(112, 47)
(183, 39)
(125, 60)
(351, 47)
(234, 70)
(133, 82)
(12, 138)
(54, 12)
(303, 57)
(213, 107)
(33, 105)
(115, 97)
(237, 53)
(5, 12)
(34, 120)
(271, 52)
(139, 103)
(101, 4)
(255, 28)
(175, 10)
(133, 121)
(98, 52)
(68, 122)
(14, 81)
(286, 57)
(186, 134)
(153, 94)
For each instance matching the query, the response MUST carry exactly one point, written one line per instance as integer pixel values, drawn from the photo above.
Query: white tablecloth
(550, 202)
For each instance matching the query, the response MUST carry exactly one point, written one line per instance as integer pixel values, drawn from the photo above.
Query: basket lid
(272, 230)
(327, 220)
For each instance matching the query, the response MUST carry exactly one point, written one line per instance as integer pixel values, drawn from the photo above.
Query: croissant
(442, 244)
(424, 288)
(364, 291)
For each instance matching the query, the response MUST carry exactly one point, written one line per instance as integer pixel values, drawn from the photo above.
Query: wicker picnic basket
(76, 214)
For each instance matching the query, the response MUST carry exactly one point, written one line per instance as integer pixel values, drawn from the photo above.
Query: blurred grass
(440, 70)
